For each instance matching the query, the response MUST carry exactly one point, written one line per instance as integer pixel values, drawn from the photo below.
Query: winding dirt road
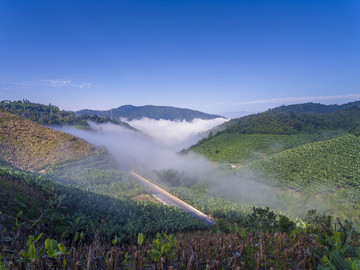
(170, 199)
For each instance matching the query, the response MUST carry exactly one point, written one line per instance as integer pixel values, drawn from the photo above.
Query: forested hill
(347, 120)
(51, 115)
(153, 112)
(312, 108)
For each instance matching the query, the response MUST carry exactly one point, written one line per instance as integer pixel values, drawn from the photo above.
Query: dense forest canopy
(51, 115)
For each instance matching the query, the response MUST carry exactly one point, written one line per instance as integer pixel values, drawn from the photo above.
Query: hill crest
(131, 112)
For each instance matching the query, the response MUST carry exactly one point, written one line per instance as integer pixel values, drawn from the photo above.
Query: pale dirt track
(170, 199)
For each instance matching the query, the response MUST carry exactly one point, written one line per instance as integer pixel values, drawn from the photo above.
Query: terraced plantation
(243, 148)
(330, 164)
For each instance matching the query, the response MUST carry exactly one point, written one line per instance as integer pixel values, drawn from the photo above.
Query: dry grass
(29, 146)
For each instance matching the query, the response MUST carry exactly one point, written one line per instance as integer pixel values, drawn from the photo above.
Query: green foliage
(2, 263)
(319, 223)
(262, 218)
(53, 249)
(355, 131)
(223, 226)
(341, 250)
(32, 253)
(141, 239)
(286, 224)
(163, 246)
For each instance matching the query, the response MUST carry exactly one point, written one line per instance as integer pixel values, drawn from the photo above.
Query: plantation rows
(211, 205)
(71, 212)
(324, 165)
(246, 147)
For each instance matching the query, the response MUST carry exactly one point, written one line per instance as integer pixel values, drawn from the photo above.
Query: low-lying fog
(155, 150)
(158, 150)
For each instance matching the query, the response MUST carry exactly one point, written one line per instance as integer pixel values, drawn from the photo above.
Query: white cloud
(175, 134)
(58, 83)
(298, 99)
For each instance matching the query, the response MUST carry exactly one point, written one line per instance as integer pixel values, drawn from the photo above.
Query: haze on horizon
(212, 56)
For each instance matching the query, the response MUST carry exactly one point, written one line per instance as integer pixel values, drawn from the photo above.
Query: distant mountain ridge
(131, 112)
(316, 108)
(298, 118)
(50, 115)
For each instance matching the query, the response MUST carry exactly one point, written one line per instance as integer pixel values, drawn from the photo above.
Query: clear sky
(213, 56)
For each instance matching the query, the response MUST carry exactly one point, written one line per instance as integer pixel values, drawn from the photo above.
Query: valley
(295, 182)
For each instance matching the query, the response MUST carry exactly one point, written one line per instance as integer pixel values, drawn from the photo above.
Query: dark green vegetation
(295, 123)
(296, 119)
(51, 115)
(310, 107)
(153, 112)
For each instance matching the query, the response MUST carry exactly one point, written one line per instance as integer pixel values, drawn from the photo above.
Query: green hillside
(284, 130)
(325, 172)
(154, 112)
(242, 148)
(295, 123)
(330, 164)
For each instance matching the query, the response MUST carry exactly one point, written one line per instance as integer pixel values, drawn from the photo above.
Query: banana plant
(163, 246)
(31, 252)
(53, 249)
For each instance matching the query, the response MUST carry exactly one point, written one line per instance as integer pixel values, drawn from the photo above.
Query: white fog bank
(156, 151)
(176, 135)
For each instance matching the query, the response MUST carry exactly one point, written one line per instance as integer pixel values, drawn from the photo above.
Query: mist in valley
(156, 151)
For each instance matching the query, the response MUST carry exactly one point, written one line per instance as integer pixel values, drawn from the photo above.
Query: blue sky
(214, 56)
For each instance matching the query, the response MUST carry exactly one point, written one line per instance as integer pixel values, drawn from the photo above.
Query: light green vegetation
(328, 164)
(328, 171)
(243, 148)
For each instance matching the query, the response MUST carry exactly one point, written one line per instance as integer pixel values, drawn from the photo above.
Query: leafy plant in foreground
(31, 252)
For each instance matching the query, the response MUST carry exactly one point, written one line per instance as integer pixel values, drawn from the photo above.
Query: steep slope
(30, 146)
(154, 112)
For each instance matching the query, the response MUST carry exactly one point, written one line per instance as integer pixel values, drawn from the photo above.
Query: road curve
(170, 199)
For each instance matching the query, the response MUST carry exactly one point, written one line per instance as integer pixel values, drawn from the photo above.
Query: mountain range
(131, 112)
